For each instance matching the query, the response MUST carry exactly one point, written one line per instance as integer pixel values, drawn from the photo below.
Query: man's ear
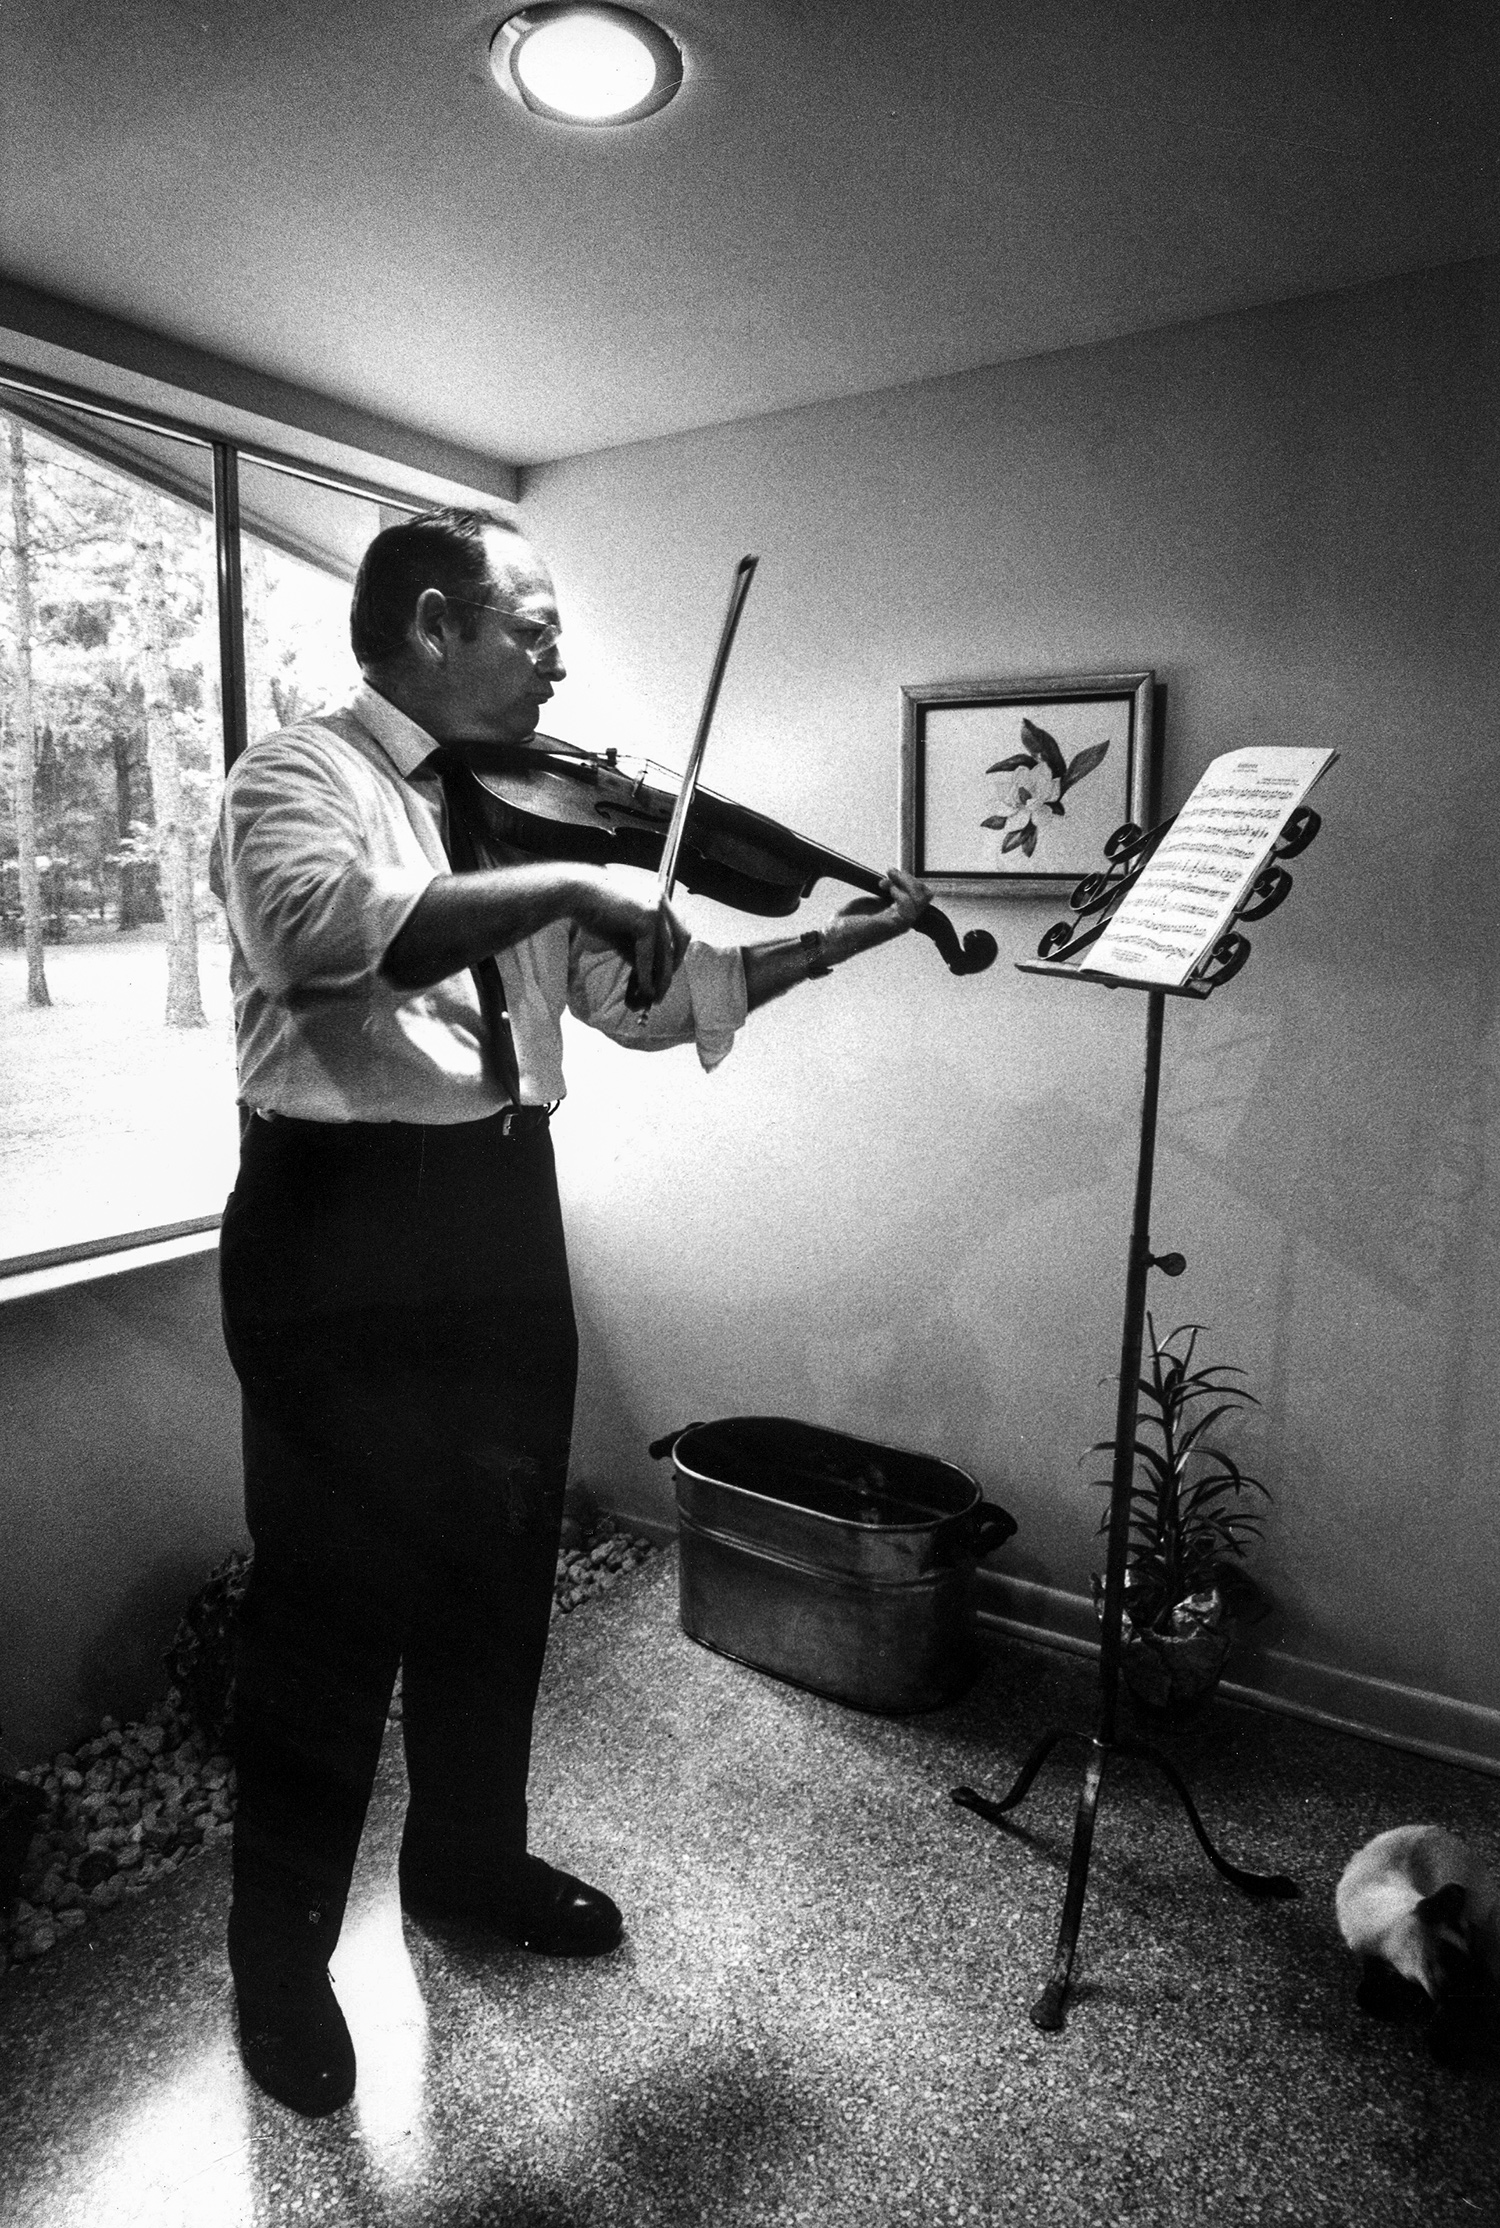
(428, 620)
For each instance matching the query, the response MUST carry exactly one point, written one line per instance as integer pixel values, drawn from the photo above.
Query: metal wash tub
(839, 1564)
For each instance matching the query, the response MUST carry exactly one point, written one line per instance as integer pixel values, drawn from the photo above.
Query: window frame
(225, 454)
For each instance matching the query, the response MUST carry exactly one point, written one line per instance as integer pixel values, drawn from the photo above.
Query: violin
(557, 801)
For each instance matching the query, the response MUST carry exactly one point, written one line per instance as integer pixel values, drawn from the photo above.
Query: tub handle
(669, 1439)
(993, 1526)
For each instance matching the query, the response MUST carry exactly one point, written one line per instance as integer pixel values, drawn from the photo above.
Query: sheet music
(1222, 838)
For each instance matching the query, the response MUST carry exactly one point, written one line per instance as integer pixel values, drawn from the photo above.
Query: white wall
(120, 1424)
(901, 1206)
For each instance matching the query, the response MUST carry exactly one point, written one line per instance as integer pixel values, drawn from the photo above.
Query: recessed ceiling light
(586, 65)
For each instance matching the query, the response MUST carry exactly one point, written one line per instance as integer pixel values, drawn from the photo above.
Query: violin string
(593, 757)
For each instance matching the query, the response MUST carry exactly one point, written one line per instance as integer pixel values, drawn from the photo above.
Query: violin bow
(666, 881)
(671, 850)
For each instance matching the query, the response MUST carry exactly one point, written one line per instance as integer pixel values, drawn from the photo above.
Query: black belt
(523, 1121)
(514, 1121)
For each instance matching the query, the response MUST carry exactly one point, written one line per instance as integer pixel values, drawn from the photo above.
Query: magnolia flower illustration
(1039, 779)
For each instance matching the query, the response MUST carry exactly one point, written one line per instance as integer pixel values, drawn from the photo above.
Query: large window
(117, 1113)
(300, 544)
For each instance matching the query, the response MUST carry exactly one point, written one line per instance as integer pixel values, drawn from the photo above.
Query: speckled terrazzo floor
(819, 2014)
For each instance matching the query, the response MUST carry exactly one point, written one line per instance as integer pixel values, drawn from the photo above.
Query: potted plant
(1186, 1589)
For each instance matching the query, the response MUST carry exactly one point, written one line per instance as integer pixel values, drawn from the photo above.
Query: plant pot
(1172, 1675)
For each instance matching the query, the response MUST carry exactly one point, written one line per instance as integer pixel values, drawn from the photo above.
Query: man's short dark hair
(436, 549)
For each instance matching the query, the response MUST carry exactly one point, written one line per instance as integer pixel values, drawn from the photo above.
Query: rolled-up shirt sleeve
(310, 905)
(705, 1004)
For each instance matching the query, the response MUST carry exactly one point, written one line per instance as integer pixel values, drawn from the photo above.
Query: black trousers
(397, 1310)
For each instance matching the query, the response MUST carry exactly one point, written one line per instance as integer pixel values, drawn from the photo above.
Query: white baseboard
(1376, 1709)
(1406, 1717)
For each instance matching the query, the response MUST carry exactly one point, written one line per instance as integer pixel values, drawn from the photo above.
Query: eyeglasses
(537, 641)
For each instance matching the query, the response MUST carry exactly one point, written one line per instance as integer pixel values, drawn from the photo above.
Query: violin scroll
(969, 957)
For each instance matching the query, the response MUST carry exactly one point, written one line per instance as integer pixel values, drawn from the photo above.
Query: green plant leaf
(1155, 1462)
(1012, 765)
(1202, 1500)
(1228, 1467)
(1231, 1480)
(1204, 1385)
(1045, 748)
(1188, 1438)
(1084, 763)
(1186, 1512)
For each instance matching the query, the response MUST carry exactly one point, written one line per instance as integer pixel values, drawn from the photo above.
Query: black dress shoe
(294, 2042)
(544, 1910)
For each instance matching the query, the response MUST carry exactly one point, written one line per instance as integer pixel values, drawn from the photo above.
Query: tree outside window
(116, 1046)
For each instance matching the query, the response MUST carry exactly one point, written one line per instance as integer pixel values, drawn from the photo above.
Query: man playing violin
(395, 1282)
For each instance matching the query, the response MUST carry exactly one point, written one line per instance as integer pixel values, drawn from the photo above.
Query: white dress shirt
(328, 836)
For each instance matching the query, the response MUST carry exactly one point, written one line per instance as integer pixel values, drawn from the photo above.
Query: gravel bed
(136, 1801)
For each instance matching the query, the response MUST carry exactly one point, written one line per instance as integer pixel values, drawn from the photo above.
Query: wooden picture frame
(1009, 788)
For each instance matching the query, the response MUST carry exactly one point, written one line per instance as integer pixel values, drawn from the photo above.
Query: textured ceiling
(847, 194)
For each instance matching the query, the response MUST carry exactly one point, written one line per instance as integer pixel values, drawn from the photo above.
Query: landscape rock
(132, 1803)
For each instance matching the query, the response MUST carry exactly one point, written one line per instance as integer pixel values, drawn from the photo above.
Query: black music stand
(1094, 903)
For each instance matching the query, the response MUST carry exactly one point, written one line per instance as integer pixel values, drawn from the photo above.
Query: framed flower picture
(1009, 788)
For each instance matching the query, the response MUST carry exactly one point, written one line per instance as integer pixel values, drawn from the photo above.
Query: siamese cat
(1424, 1915)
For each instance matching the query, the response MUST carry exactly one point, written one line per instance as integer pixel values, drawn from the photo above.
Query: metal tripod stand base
(1047, 2011)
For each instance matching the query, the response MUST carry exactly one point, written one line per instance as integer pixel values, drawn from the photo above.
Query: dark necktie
(463, 857)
